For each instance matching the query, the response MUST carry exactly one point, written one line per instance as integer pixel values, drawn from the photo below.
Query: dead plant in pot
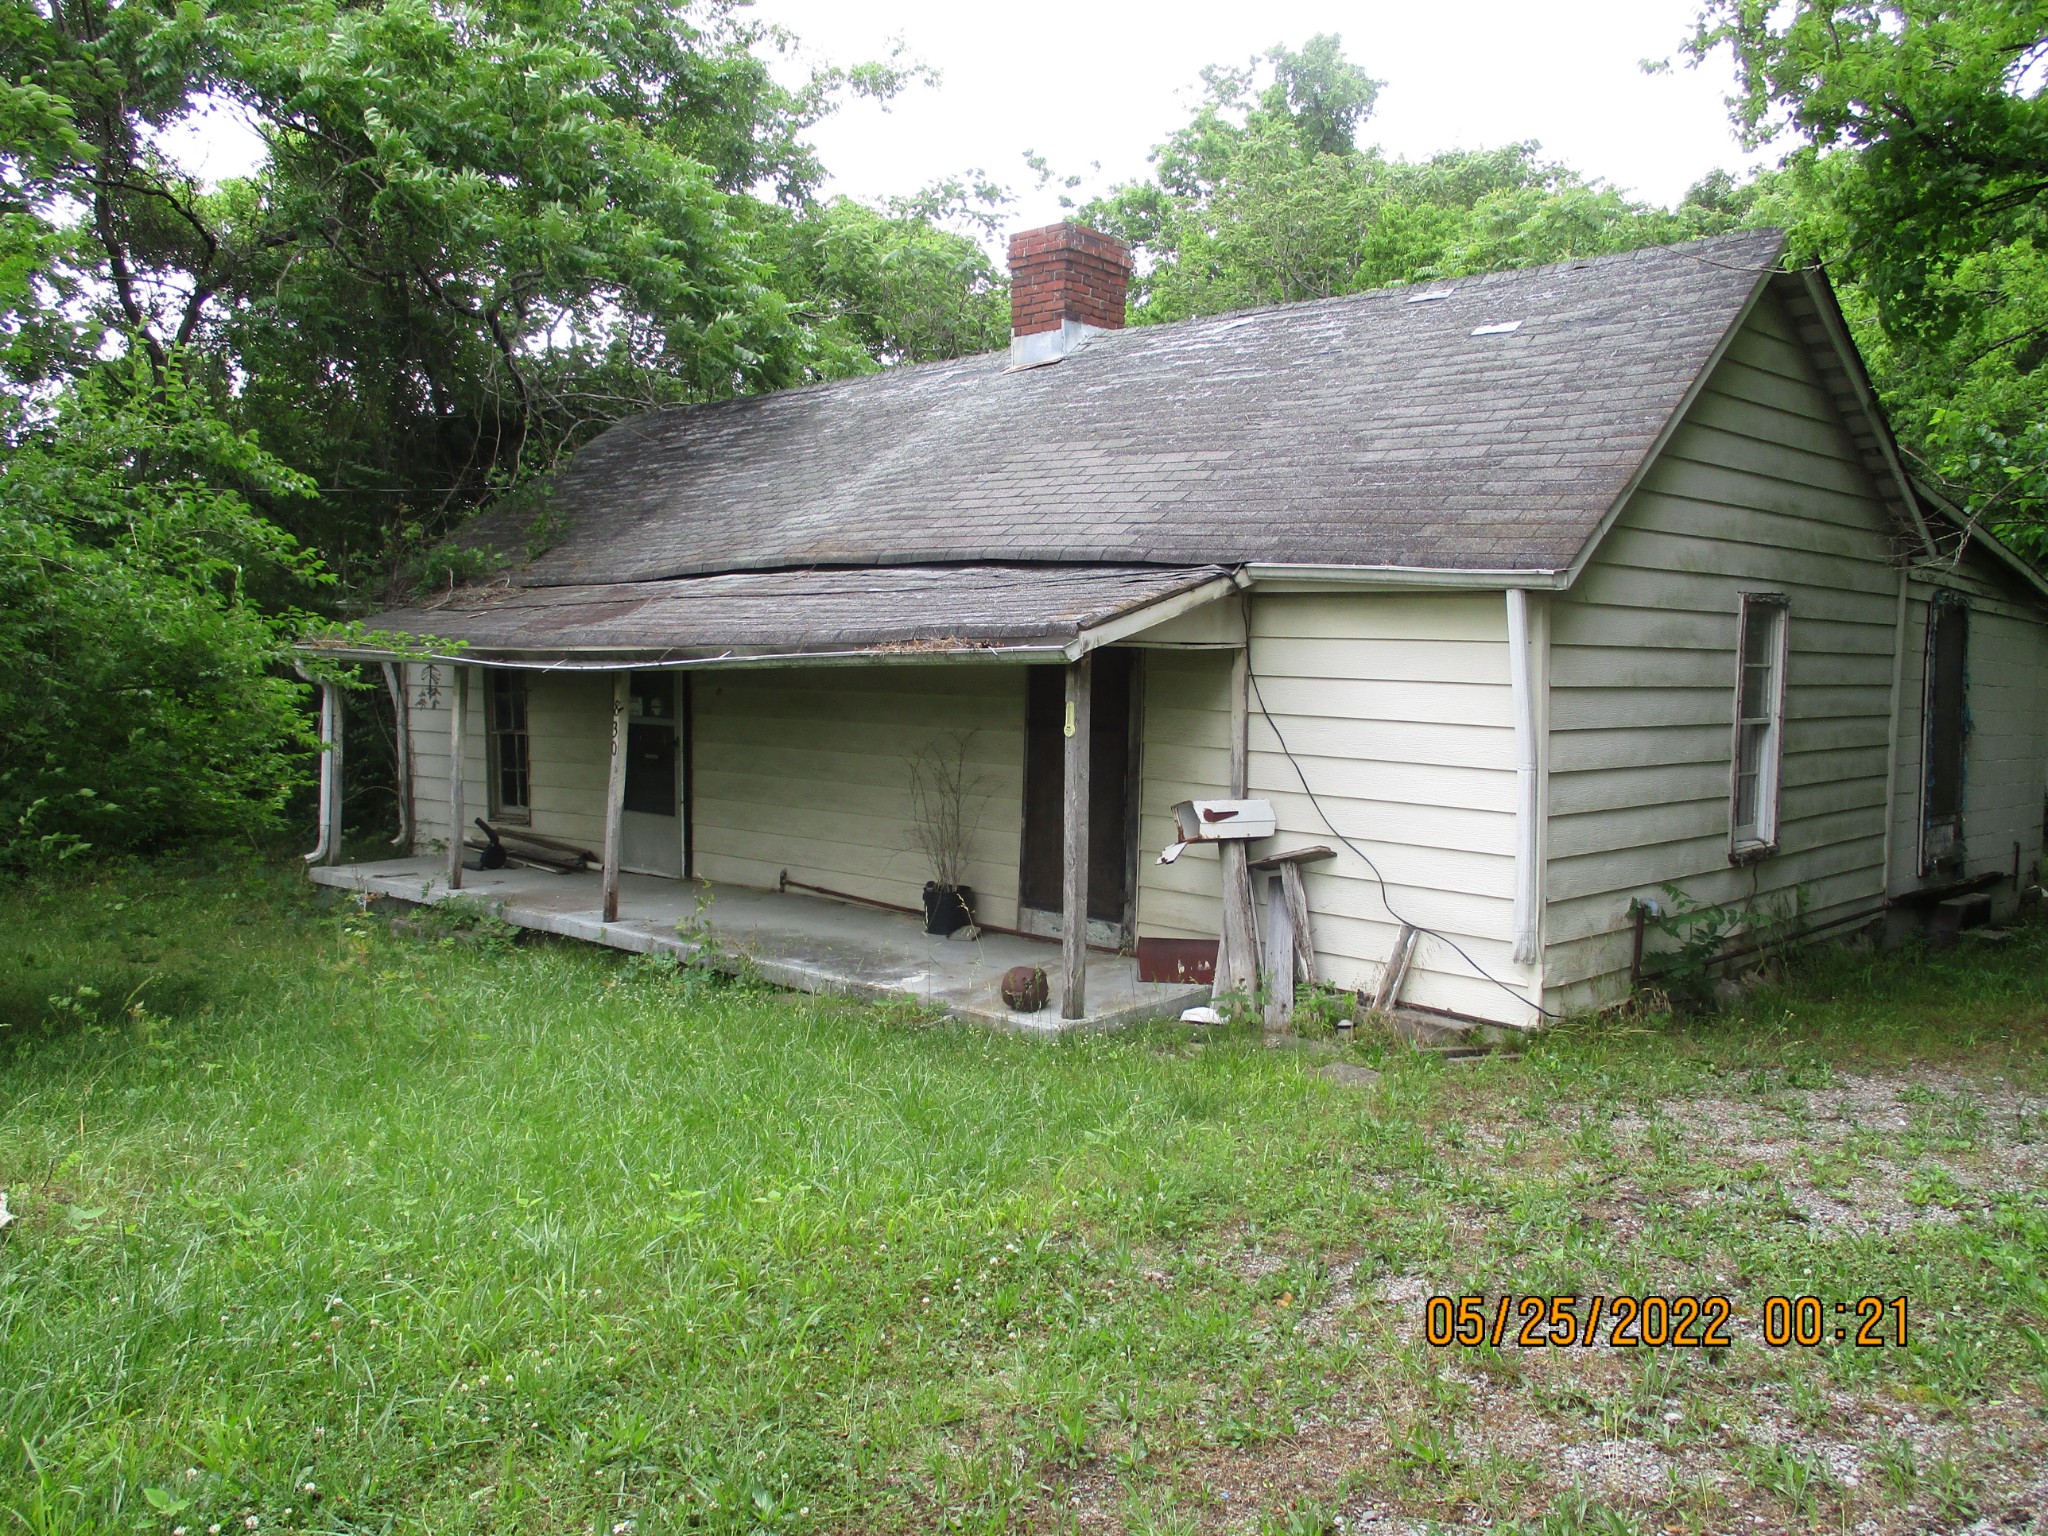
(945, 806)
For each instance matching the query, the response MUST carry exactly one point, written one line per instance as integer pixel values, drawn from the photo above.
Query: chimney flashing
(1042, 347)
(1067, 282)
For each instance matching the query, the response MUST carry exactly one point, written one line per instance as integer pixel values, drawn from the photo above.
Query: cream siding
(1759, 489)
(1397, 710)
(430, 694)
(2005, 762)
(808, 770)
(568, 723)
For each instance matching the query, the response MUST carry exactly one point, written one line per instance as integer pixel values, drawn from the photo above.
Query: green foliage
(892, 285)
(1702, 934)
(141, 700)
(1920, 130)
(1265, 197)
(537, 1238)
(481, 231)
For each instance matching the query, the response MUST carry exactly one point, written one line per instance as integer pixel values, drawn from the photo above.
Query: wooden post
(1297, 904)
(1279, 953)
(1237, 957)
(458, 731)
(1396, 971)
(1285, 894)
(615, 793)
(1074, 851)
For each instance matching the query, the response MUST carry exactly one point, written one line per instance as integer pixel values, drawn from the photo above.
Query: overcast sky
(1089, 80)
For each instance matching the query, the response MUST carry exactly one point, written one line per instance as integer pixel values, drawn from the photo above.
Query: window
(506, 704)
(1759, 724)
(1946, 721)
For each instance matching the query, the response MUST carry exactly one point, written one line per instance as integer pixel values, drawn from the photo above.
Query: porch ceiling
(894, 613)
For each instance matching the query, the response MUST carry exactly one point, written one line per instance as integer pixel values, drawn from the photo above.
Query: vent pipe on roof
(1067, 282)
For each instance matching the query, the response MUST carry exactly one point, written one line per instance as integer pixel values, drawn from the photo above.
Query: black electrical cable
(1385, 900)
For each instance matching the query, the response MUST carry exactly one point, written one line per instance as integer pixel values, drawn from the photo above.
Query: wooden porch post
(1074, 853)
(615, 793)
(1237, 960)
(458, 732)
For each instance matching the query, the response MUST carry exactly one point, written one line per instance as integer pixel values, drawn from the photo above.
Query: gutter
(1287, 576)
(328, 849)
(613, 660)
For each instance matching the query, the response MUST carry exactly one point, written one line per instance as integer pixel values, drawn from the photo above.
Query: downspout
(1523, 684)
(401, 722)
(328, 849)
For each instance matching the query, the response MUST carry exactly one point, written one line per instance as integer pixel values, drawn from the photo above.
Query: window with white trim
(1759, 723)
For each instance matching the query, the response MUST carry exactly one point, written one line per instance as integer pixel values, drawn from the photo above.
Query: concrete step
(1957, 913)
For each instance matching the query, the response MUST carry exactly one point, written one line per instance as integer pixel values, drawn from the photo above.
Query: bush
(144, 696)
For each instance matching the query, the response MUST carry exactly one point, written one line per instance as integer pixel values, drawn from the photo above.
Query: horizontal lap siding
(1760, 489)
(2006, 754)
(1396, 710)
(430, 693)
(808, 770)
(568, 723)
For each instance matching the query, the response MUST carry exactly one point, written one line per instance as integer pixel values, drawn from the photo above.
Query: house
(1526, 595)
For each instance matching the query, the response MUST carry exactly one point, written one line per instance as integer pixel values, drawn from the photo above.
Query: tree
(1919, 174)
(895, 284)
(1266, 197)
(485, 228)
(142, 697)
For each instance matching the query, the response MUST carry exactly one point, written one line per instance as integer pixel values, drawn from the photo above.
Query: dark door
(1112, 833)
(1948, 725)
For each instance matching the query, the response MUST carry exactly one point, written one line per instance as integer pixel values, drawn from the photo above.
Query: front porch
(806, 943)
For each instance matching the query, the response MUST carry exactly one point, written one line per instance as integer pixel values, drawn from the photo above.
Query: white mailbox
(1220, 821)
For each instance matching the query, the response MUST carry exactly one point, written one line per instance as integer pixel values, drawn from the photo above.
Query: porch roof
(893, 613)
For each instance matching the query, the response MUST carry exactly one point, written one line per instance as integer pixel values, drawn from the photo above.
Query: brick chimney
(1066, 283)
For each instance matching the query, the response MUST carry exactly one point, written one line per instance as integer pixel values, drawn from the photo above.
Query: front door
(1112, 808)
(652, 829)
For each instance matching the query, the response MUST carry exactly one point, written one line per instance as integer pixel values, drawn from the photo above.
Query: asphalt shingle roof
(911, 611)
(1385, 428)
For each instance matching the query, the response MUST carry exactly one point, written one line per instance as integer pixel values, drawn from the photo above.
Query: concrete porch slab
(806, 943)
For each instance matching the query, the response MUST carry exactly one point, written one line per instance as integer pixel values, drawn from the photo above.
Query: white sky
(1086, 81)
(1460, 74)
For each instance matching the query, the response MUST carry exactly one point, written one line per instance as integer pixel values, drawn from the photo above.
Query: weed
(1704, 933)
(1319, 1011)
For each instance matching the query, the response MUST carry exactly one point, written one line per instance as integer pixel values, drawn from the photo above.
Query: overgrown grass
(327, 1228)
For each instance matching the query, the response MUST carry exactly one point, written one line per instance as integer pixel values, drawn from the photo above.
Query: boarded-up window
(1759, 723)
(1946, 713)
(507, 746)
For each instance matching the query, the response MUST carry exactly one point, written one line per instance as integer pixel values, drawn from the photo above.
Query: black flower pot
(947, 907)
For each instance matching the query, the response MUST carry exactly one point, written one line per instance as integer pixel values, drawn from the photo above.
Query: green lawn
(326, 1228)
